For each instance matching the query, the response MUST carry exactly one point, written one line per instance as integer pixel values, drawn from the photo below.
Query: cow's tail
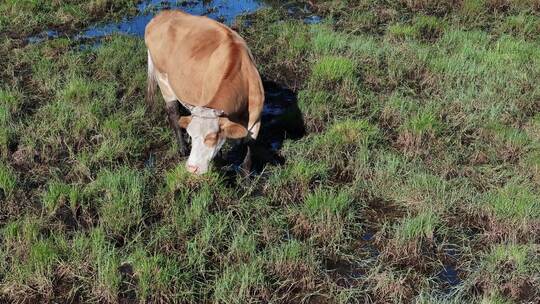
(151, 83)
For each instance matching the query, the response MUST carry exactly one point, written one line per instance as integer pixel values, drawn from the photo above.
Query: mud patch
(521, 290)
(127, 290)
(65, 215)
(343, 273)
(380, 212)
(64, 290)
(302, 11)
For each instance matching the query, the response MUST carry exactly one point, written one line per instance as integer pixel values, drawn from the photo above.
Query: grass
(507, 269)
(326, 41)
(120, 196)
(333, 69)
(8, 180)
(418, 227)
(514, 201)
(29, 16)
(422, 155)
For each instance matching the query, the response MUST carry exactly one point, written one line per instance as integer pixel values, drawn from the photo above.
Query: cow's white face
(208, 133)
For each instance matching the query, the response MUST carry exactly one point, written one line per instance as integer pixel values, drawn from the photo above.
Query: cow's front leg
(173, 113)
(248, 162)
(250, 142)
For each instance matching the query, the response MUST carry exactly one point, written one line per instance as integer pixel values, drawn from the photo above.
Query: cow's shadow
(281, 119)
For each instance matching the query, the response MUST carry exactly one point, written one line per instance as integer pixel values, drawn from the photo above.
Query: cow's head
(208, 131)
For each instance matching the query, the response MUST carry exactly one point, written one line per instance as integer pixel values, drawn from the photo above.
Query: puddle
(49, 34)
(224, 11)
(150, 162)
(367, 245)
(368, 236)
(449, 275)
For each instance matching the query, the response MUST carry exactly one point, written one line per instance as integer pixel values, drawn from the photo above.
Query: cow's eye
(211, 139)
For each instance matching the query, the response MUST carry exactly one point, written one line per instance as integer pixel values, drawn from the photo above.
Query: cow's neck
(202, 112)
(187, 105)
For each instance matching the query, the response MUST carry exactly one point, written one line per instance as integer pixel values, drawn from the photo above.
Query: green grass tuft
(120, 194)
(8, 179)
(348, 132)
(237, 283)
(518, 256)
(323, 202)
(59, 194)
(158, 277)
(515, 201)
(424, 122)
(326, 41)
(419, 227)
(333, 69)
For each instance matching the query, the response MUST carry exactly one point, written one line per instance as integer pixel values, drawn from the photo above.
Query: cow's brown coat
(207, 65)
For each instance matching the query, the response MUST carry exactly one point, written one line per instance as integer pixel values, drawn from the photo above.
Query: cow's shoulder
(162, 18)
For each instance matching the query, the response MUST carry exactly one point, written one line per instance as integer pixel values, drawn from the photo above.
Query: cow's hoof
(245, 169)
(244, 173)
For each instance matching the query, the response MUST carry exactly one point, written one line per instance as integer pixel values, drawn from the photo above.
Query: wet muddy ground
(402, 230)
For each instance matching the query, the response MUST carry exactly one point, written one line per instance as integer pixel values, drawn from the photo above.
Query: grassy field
(418, 179)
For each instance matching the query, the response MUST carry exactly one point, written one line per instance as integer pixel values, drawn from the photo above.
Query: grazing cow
(208, 68)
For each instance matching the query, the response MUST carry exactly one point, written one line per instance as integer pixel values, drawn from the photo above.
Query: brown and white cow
(208, 68)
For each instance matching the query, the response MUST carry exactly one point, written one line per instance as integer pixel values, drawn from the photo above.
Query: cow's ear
(231, 129)
(184, 121)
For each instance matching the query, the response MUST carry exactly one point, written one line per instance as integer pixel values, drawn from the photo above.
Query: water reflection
(224, 11)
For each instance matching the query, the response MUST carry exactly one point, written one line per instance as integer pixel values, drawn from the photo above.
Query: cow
(208, 68)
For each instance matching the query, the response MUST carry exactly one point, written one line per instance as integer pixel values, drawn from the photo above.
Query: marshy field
(399, 159)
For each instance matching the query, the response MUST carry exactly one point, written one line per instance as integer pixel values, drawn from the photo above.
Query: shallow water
(224, 11)
(449, 275)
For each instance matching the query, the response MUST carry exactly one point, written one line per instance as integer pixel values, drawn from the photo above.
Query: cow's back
(207, 64)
